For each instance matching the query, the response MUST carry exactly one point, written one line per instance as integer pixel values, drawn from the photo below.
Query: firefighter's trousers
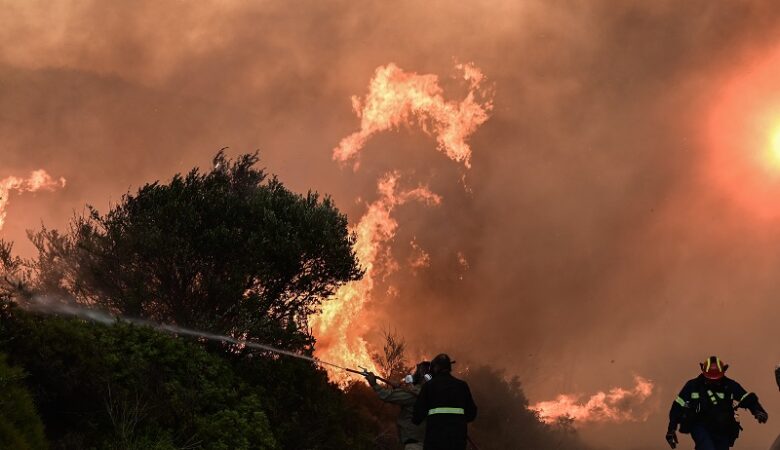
(708, 440)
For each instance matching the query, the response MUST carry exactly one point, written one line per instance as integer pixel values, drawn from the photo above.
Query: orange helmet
(713, 368)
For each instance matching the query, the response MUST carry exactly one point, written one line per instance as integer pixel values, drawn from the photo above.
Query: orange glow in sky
(743, 136)
(775, 146)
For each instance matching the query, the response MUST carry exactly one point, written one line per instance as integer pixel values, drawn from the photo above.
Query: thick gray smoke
(588, 247)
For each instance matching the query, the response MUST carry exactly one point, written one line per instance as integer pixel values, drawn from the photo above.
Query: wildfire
(396, 98)
(339, 335)
(617, 405)
(38, 180)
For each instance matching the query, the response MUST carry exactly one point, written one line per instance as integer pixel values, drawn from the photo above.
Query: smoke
(615, 406)
(38, 180)
(590, 232)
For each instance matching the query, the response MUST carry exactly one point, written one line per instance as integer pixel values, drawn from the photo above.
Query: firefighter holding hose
(411, 435)
(446, 405)
(706, 405)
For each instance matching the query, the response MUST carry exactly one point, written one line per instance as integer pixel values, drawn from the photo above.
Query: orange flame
(396, 97)
(617, 405)
(38, 180)
(337, 327)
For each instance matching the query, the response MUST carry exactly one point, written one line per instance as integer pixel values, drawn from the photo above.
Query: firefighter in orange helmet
(706, 405)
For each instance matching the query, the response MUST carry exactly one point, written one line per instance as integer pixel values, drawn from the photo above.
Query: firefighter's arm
(680, 408)
(421, 406)
(395, 396)
(750, 402)
(677, 412)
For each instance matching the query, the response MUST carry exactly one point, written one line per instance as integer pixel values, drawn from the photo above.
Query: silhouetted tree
(230, 251)
(392, 362)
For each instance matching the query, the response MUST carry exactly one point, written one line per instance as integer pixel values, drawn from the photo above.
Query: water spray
(46, 305)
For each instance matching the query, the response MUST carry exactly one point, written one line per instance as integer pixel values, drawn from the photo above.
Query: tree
(230, 251)
(392, 363)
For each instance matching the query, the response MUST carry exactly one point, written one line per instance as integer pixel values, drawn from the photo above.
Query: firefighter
(411, 435)
(445, 403)
(706, 405)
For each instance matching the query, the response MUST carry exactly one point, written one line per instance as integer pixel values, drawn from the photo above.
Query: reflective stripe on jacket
(445, 403)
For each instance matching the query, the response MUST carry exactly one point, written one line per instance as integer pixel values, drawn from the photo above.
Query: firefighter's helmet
(713, 368)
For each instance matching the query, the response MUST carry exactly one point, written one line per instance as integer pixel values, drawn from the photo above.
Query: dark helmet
(713, 368)
(422, 369)
(441, 363)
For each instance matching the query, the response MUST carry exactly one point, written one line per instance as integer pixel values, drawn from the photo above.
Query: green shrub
(128, 387)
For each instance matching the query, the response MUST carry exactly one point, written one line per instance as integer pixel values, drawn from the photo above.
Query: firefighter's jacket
(445, 403)
(406, 397)
(711, 405)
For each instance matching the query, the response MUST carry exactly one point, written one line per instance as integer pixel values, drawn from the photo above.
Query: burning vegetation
(395, 98)
(615, 406)
(168, 258)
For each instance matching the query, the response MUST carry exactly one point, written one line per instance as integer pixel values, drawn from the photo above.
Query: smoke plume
(593, 241)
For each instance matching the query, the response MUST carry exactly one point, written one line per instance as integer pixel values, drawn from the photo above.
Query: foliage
(125, 387)
(392, 362)
(230, 251)
(307, 411)
(20, 426)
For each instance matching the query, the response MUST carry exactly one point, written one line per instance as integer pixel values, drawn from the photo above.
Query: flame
(617, 405)
(38, 180)
(337, 328)
(420, 259)
(396, 97)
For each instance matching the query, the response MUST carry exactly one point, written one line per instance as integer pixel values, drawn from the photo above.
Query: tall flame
(38, 180)
(396, 98)
(339, 336)
(617, 405)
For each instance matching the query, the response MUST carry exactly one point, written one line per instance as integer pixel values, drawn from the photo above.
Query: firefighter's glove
(671, 438)
(761, 415)
(370, 377)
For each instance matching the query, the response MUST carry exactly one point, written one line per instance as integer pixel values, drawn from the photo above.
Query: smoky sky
(595, 248)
